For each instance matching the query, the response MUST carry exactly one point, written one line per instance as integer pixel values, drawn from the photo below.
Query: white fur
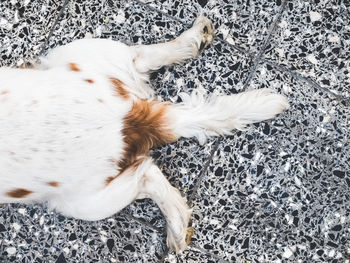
(57, 127)
(219, 115)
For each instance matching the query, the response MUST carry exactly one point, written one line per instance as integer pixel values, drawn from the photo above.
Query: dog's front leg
(188, 45)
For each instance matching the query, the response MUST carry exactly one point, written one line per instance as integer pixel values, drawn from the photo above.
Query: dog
(76, 130)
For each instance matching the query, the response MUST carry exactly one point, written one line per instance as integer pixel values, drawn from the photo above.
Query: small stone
(338, 173)
(297, 181)
(287, 253)
(16, 226)
(22, 211)
(333, 39)
(61, 259)
(41, 221)
(110, 244)
(315, 16)
(130, 248)
(120, 17)
(283, 24)
(11, 250)
(72, 237)
(312, 59)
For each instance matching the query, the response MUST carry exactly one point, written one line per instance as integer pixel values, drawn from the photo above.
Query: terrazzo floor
(278, 192)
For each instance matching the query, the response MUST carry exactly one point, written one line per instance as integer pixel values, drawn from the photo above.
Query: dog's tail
(219, 115)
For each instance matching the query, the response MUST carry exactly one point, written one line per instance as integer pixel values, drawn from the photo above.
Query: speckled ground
(279, 192)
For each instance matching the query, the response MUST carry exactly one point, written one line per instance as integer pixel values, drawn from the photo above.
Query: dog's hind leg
(172, 204)
(188, 45)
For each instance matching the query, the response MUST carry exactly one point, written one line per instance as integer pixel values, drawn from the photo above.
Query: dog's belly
(57, 130)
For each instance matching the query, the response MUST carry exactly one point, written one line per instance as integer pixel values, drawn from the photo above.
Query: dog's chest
(56, 127)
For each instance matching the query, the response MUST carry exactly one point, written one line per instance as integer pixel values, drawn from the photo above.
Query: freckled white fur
(57, 127)
(53, 128)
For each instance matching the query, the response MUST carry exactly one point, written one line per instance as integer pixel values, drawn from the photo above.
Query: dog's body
(76, 131)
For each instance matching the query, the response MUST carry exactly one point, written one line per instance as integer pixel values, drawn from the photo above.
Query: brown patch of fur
(119, 88)
(91, 81)
(74, 67)
(53, 184)
(145, 126)
(19, 193)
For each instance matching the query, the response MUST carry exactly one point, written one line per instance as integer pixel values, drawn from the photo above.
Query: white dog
(76, 130)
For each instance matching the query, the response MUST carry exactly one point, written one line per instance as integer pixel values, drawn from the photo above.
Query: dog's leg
(188, 45)
(172, 204)
(143, 179)
(200, 117)
(113, 196)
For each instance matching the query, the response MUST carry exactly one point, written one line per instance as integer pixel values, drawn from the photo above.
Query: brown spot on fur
(91, 81)
(53, 184)
(19, 193)
(4, 92)
(100, 100)
(74, 67)
(119, 88)
(144, 127)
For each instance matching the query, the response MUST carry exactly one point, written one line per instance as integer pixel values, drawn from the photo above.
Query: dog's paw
(177, 244)
(180, 242)
(198, 37)
(206, 31)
